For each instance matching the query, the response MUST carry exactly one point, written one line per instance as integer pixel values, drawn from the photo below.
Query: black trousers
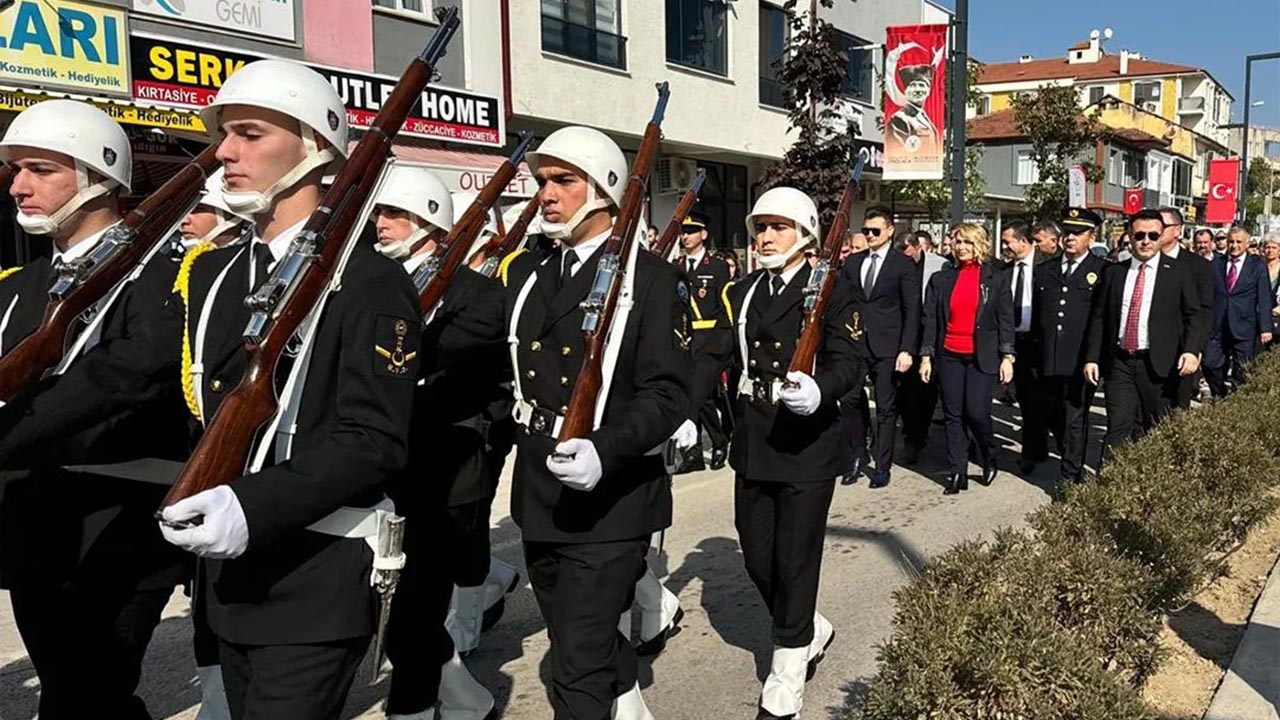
(855, 410)
(1239, 355)
(709, 422)
(290, 681)
(582, 591)
(781, 527)
(966, 405)
(1035, 411)
(917, 400)
(86, 640)
(884, 383)
(1136, 398)
(1069, 399)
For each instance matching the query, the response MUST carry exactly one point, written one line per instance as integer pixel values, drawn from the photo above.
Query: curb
(1251, 686)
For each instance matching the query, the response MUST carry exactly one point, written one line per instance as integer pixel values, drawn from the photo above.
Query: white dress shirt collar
(585, 249)
(279, 245)
(786, 275)
(83, 247)
(1173, 252)
(696, 257)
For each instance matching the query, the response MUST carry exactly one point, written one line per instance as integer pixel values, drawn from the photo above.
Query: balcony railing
(1188, 105)
(584, 43)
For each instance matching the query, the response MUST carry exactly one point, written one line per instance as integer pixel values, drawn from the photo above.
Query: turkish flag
(1224, 177)
(1132, 200)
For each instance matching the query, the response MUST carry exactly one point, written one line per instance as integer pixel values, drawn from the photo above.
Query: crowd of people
(392, 416)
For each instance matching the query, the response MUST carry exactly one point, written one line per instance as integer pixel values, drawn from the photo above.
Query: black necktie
(1017, 294)
(871, 275)
(1071, 265)
(692, 264)
(262, 259)
(568, 258)
(778, 284)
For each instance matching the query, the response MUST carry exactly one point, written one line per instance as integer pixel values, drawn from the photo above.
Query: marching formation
(290, 381)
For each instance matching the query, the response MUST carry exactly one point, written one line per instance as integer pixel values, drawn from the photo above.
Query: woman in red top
(968, 330)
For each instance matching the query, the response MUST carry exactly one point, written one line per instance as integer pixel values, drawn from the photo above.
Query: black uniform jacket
(462, 362)
(53, 519)
(1060, 314)
(712, 334)
(892, 311)
(1173, 326)
(295, 585)
(993, 328)
(770, 442)
(648, 399)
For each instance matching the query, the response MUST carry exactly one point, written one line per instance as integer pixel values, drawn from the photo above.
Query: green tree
(1259, 182)
(1060, 135)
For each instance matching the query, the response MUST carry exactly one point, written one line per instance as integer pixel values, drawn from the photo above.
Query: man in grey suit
(917, 398)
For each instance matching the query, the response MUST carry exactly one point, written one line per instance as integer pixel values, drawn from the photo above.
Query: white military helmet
(82, 132)
(794, 205)
(417, 191)
(462, 201)
(212, 198)
(596, 155)
(294, 90)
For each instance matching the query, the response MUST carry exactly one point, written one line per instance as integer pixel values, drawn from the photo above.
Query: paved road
(876, 541)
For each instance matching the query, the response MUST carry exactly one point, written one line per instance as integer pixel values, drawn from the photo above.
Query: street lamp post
(1244, 140)
(959, 95)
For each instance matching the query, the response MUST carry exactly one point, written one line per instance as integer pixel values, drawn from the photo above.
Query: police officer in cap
(587, 513)
(788, 442)
(1064, 288)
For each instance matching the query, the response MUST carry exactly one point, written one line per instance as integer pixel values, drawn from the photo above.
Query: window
(984, 105)
(773, 48)
(411, 6)
(1146, 92)
(697, 32)
(1026, 172)
(1125, 168)
(857, 72)
(1095, 94)
(1181, 178)
(585, 29)
(1271, 149)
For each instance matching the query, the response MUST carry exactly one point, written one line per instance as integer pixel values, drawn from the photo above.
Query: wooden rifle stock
(223, 450)
(456, 246)
(43, 349)
(806, 352)
(507, 243)
(579, 418)
(667, 240)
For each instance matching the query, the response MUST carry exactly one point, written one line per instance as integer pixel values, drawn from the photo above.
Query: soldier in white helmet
(587, 522)
(442, 491)
(87, 570)
(788, 445)
(212, 220)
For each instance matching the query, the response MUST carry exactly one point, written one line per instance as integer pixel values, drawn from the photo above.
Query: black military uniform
(448, 487)
(712, 343)
(786, 464)
(575, 540)
(87, 569)
(1064, 289)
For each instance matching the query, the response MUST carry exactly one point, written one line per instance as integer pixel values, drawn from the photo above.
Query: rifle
(298, 282)
(667, 240)
(81, 283)
(507, 244)
(433, 276)
(601, 303)
(823, 279)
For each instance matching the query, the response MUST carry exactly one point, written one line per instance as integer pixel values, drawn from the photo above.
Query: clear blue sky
(1212, 34)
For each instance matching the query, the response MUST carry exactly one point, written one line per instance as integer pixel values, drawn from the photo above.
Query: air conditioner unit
(675, 175)
(1151, 106)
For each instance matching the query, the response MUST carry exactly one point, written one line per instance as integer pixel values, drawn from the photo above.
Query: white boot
(461, 696)
(823, 635)
(783, 691)
(213, 696)
(660, 613)
(624, 625)
(630, 706)
(466, 614)
(502, 576)
(428, 714)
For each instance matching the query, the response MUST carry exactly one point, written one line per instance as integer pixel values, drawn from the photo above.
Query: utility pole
(1242, 190)
(959, 94)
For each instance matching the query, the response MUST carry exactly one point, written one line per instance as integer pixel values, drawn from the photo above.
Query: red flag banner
(1132, 200)
(1224, 177)
(915, 68)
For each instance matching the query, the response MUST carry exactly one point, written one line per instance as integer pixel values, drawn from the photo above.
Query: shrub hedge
(1062, 621)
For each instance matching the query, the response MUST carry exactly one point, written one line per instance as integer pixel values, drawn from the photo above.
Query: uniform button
(1059, 328)
(776, 364)
(533, 402)
(1060, 313)
(753, 363)
(1062, 301)
(535, 346)
(215, 385)
(1064, 288)
(777, 344)
(564, 409)
(564, 380)
(755, 344)
(566, 350)
(531, 374)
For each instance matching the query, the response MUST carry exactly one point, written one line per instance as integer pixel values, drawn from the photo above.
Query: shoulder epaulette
(9, 271)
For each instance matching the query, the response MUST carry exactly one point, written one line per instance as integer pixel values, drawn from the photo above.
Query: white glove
(804, 398)
(580, 469)
(685, 436)
(223, 532)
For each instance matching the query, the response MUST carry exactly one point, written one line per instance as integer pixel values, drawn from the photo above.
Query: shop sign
(64, 44)
(163, 118)
(270, 18)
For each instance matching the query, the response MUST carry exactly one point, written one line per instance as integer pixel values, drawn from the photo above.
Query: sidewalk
(1251, 687)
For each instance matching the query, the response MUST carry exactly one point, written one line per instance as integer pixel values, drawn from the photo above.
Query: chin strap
(49, 224)
(776, 262)
(564, 230)
(254, 203)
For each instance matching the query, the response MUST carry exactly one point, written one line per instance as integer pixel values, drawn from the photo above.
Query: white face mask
(254, 203)
(564, 230)
(401, 249)
(49, 224)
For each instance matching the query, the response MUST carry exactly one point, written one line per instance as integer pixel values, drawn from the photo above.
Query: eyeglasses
(1142, 236)
(873, 232)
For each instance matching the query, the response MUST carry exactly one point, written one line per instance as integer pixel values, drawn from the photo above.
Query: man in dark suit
(706, 276)
(1064, 291)
(890, 282)
(587, 507)
(1242, 321)
(1143, 334)
(1171, 246)
(1024, 256)
(918, 398)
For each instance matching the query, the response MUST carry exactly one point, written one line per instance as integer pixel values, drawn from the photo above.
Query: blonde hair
(975, 235)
